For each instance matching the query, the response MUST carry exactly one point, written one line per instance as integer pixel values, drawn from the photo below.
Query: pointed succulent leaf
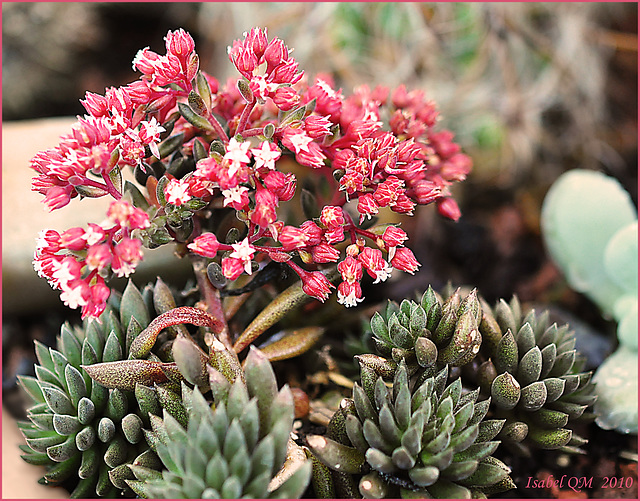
(293, 343)
(70, 345)
(506, 359)
(132, 305)
(85, 438)
(505, 391)
(445, 489)
(379, 327)
(477, 451)
(30, 385)
(488, 429)
(172, 403)
(338, 457)
(549, 419)
(549, 439)
(225, 362)
(514, 432)
(356, 433)
(125, 374)
(574, 411)
(380, 461)
(555, 388)
(62, 471)
(382, 367)
(58, 401)
(403, 459)
(417, 320)
(505, 317)
(460, 470)
(112, 349)
(372, 486)
(66, 425)
(525, 338)
(485, 475)
(65, 450)
(533, 396)
(133, 331)
(530, 366)
(375, 439)
(447, 324)
(471, 304)
(191, 361)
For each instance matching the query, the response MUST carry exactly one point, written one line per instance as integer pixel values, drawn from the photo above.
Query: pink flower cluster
(270, 112)
(76, 260)
(118, 127)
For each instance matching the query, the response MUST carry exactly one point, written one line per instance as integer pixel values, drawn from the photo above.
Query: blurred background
(529, 89)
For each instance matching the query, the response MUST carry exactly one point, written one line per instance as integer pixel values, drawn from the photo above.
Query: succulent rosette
(78, 427)
(534, 376)
(423, 439)
(237, 447)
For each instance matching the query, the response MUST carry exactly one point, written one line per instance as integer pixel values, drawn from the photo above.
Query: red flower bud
(448, 208)
(367, 206)
(285, 98)
(317, 126)
(179, 43)
(350, 269)
(312, 231)
(405, 260)
(394, 236)
(232, 268)
(292, 238)
(73, 239)
(425, 192)
(275, 53)
(257, 40)
(316, 285)
(206, 245)
(324, 253)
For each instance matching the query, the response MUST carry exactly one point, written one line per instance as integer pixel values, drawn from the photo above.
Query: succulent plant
(76, 426)
(590, 227)
(426, 439)
(429, 335)
(534, 376)
(237, 447)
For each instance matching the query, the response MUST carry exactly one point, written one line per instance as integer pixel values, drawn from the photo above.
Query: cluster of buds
(196, 146)
(76, 261)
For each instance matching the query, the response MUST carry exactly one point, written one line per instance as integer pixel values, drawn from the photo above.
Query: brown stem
(211, 297)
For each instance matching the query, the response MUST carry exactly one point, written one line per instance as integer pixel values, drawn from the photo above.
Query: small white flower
(234, 195)
(177, 192)
(244, 251)
(92, 236)
(41, 242)
(383, 273)
(73, 297)
(125, 269)
(300, 142)
(62, 274)
(237, 155)
(265, 156)
(350, 300)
